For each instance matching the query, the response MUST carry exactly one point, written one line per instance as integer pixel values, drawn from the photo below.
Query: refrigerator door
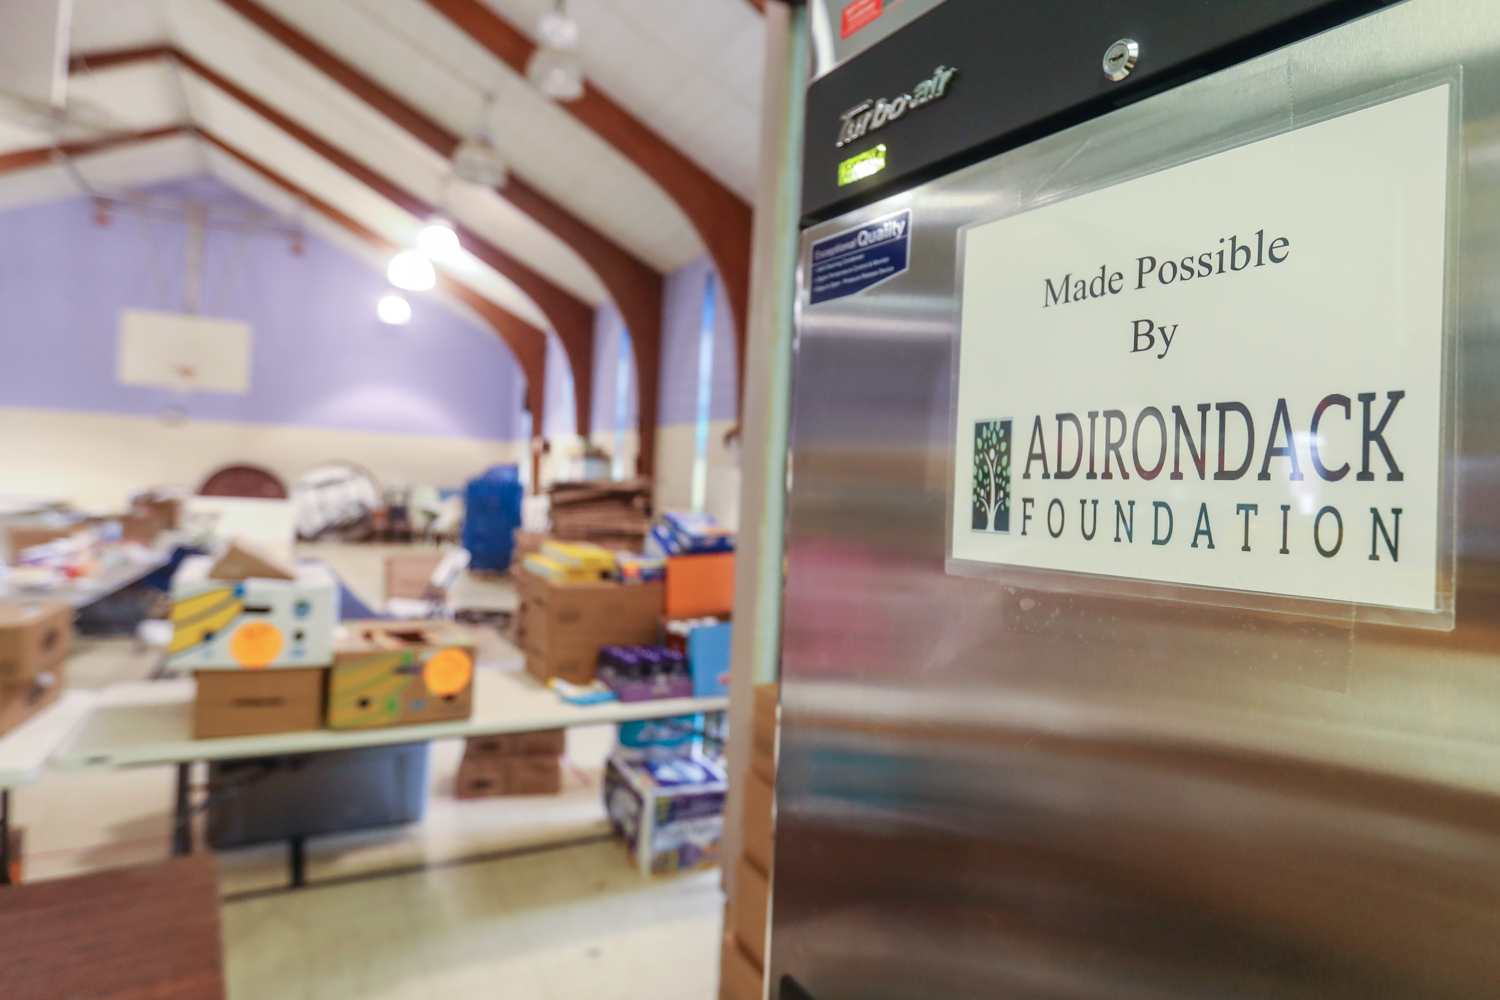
(991, 788)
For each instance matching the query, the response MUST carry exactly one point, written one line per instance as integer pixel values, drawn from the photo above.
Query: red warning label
(858, 14)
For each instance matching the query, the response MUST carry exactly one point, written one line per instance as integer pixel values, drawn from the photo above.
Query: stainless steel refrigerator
(1142, 600)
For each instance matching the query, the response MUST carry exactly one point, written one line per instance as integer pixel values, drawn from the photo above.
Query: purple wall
(682, 321)
(320, 358)
(559, 416)
(608, 328)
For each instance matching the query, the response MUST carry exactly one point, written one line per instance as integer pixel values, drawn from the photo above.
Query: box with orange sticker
(400, 674)
(251, 624)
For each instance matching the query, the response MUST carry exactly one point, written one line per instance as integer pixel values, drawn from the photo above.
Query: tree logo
(991, 511)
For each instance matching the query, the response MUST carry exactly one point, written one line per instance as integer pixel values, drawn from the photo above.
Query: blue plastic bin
(492, 514)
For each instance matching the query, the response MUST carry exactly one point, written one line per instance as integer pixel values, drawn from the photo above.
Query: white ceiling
(689, 68)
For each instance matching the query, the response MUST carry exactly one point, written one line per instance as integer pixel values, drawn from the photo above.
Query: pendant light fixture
(438, 240)
(554, 67)
(412, 271)
(392, 309)
(477, 159)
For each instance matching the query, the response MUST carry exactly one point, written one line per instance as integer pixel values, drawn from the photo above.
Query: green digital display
(858, 167)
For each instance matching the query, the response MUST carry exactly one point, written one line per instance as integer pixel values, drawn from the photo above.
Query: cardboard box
(577, 667)
(749, 909)
(408, 574)
(757, 823)
(565, 625)
(763, 733)
(400, 674)
(670, 813)
(233, 624)
(24, 536)
(739, 977)
(165, 511)
(484, 775)
(543, 741)
(243, 560)
(142, 528)
(20, 700)
(700, 585)
(34, 637)
(257, 702)
(562, 617)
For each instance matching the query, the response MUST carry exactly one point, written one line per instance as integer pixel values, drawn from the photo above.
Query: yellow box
(553, 571)
(580, 555)
(400, 674)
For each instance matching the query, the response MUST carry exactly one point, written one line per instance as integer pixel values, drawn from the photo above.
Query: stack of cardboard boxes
(258, 636)
(512, 764)
(612, 514)
(270, 657)
(562, 623)
(34, 642)
(743, 960)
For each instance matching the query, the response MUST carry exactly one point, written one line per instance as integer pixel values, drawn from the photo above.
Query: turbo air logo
(991, 510)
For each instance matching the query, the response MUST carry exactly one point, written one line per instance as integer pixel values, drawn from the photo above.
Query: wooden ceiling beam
(570, 316)
(722, 218)
(635, 286)
(23, 159)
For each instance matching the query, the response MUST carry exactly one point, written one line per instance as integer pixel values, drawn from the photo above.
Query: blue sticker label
(859, 258)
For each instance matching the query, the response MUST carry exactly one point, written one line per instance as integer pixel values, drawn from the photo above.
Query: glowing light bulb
(438, 240)
(412, 271)
(393, 309)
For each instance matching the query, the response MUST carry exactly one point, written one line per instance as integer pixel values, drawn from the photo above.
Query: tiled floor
(534, 921)
(563, 924)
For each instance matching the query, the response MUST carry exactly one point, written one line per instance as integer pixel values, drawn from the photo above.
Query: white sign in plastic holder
(1227, 381)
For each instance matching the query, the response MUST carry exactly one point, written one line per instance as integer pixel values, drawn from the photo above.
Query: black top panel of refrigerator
(972, 78)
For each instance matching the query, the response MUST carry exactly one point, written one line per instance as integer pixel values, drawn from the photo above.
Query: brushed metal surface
(990, 791)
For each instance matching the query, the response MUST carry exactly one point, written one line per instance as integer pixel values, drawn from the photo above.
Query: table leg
(297, 854)
(4, 836)
(182, 817)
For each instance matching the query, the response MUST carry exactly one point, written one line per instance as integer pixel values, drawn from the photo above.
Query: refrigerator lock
(1120, 58)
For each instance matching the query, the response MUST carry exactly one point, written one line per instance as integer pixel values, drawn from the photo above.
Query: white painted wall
(97, 460)
(674, 470)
